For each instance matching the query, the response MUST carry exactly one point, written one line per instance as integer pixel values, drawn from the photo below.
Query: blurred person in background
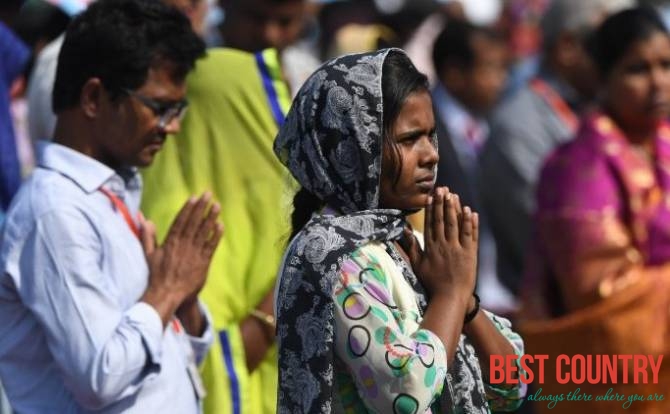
(40, 117)
(532, 122)
(471, 66)
(520, 22)
(14, 56)
(37, 24)
(598, 280)
(95, 316)
(237, 100)
(256, 25)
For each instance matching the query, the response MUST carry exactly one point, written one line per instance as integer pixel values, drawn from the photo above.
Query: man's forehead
(162, 83)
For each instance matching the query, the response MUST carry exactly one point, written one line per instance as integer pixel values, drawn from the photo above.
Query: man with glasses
(165, 111)
(94, 315)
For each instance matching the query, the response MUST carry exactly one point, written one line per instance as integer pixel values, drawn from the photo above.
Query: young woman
(368, 321)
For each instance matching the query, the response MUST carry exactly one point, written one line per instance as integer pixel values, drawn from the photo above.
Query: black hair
(118, 41)
(617, 33)
(400, 78)
(453, 45)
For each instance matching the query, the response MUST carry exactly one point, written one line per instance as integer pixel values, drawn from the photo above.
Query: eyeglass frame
(166, 113)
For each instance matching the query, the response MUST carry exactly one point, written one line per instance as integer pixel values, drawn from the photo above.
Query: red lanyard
(556, 103)
(121, 206)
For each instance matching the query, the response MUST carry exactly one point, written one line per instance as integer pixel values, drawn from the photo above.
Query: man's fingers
(213, 241)
(207, 225)
(179, 222)
(147, 235)
(196, 216)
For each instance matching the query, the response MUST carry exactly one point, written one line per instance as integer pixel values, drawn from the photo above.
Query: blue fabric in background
(13, 57)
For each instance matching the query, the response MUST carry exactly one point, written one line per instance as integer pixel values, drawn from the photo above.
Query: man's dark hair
(118, 41)
(453, 45)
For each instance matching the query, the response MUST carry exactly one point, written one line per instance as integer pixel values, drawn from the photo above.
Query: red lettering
(497, 369)
(609, 369)
(541, 359)
(578, 372)
(655, 367)
(625, 359)
(640, 368)
(511, 369)
(559, 378)
(528, 378)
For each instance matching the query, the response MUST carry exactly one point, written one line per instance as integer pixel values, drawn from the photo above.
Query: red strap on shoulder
(121, 207)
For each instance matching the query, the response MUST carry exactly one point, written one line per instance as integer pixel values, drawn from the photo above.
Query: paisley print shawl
(331, 143)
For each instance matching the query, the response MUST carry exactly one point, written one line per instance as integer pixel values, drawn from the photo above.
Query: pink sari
(603, 214)
(597, 280)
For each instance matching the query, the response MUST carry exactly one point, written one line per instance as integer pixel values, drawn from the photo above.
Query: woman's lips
(426, 184)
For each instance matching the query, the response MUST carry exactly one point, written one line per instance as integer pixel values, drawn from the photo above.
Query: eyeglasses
(166, 112)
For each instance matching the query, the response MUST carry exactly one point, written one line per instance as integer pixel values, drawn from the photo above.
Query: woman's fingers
(428, 221)
(475, 227)
(466, 228)
(438, 215)
(451, 227)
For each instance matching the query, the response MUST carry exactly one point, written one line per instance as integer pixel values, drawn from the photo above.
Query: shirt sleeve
(506, 397)
(395, 365)
(201, 344)
(104, 350)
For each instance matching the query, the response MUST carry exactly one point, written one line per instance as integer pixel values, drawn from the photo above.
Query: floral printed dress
(383, 350)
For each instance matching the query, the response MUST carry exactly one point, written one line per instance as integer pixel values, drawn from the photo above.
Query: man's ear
(91, 97)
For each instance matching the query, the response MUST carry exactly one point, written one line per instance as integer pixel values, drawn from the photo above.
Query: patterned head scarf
(332, 138)
(331, 142)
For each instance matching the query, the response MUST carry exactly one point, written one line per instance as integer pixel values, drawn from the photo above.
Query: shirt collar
(454, 115)
(86, 172)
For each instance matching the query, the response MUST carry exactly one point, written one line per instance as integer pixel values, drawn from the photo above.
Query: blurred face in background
(574, 64)
(637, 89)
(254, 25)
(479, 85)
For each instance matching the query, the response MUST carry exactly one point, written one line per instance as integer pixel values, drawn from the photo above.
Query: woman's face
(637, 90)
(412, 134)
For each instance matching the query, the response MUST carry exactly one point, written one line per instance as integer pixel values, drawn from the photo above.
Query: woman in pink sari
(604, 198)
(598, 271)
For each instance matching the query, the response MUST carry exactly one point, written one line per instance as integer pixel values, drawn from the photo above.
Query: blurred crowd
(511, 82)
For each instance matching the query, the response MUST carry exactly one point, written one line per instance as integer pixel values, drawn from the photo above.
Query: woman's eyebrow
(415, 132)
